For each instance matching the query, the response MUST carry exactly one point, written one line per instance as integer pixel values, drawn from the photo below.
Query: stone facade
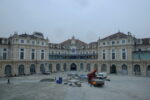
(116, 54)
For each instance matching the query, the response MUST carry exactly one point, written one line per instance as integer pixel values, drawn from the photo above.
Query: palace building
(118, 53)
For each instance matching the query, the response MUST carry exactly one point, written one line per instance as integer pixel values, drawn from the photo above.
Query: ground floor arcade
(26, 68)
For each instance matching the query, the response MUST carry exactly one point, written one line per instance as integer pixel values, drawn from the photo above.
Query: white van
(102, 75)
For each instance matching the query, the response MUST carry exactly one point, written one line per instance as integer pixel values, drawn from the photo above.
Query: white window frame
(23, 53)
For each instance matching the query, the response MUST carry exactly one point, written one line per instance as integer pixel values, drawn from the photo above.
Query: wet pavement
(30, 88)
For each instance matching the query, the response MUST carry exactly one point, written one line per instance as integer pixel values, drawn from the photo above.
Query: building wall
(13, 52)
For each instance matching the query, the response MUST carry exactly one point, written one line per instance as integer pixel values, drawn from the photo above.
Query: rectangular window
(42, 54)
(42, 43)
(22, 41)
(123, 54)
(113, 42)
(4, 54)
(28, 41)
(123, 41)
(21, 53)
(113, 54)
(104, 54)
(33, 54)
(33, 42)
(107, 43)
(103, 43)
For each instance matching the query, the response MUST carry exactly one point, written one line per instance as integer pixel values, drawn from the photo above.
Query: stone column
(37, 67)
(143, 69)
(15, 67)
(27, 69)
(130, 69)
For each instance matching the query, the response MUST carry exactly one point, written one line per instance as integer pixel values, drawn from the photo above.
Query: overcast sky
(87, 20)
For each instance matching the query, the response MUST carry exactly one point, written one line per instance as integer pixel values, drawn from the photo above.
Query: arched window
(113, 69)
(8, 70)
(73, 67)
(21, 70)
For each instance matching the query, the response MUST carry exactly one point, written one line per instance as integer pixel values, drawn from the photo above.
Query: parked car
(102, 75)
(46, 73)
(97, 82)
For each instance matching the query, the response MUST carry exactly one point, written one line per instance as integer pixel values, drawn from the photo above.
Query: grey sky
(87, 20)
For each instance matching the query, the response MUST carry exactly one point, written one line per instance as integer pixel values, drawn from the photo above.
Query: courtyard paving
(30, 88)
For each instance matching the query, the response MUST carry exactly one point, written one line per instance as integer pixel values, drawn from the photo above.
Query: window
(123, 41)
(113, 53)
(73, 50)
(38, 42)
(42, 43)
(93, 52)
(4, 54)
(28, 41)
(22, 41)
(104, 54)
(33, 54)
(107, 43)
(117, 42)
(129, 40)
(103, 43)
(139, 49)
(42, 54)
(123, 53)
(33, 42)
(113, 42)
(21, 53)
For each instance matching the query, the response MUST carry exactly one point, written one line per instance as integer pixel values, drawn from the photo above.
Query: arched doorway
(58, 67)
(50, 67)
(65, 67)
(124, 69)
(21, 70)
(148, 71)
(73, 67)
(137, 70)
(32, 69)
(113, 69)
(42, 68)
(103, 68)
(8, 70)
(88, 68)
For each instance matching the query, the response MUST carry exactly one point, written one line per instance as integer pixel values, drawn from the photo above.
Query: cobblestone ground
(30, 88)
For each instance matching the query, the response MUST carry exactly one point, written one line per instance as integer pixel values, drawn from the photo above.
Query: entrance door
(113, 69)
(73, 67)
(21, 70)
(137, 70)
(8, 70)
(32, 69)
(124, 69)
(42, 68)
